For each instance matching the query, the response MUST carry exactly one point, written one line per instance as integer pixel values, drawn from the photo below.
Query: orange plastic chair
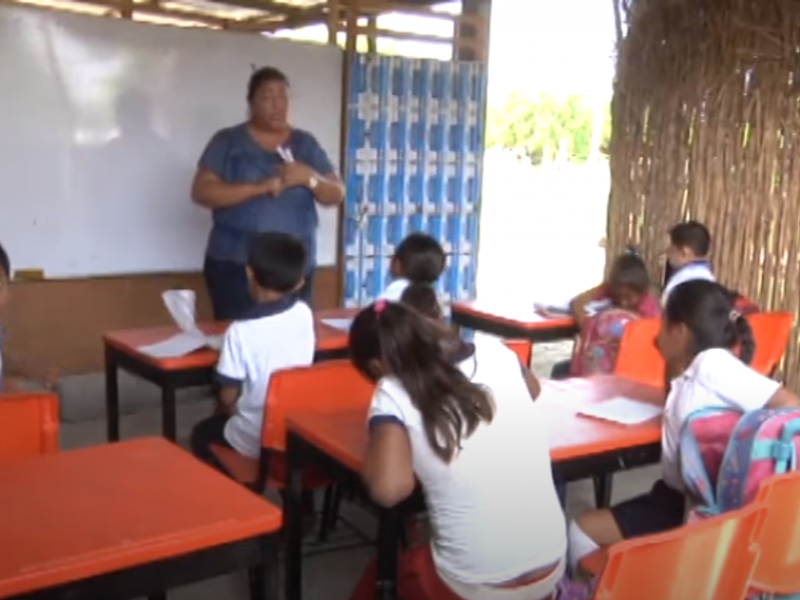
(28, 424)
(778, 568)
(771, 332)
(638, 358)
(330, 385)
(522, 348)
(713, 560)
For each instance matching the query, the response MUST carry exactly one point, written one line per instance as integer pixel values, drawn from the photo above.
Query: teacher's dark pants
(226, 282)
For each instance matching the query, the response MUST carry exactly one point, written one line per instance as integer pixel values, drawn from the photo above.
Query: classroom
(259, 320)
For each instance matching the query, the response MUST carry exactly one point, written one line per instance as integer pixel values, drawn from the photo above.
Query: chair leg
(327, 509)
(336, 509)
(603, 485)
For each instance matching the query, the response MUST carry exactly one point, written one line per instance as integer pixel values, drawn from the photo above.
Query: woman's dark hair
(261, 77)
(5, 263)
(707, 310)
(389, 338)
(422, 298)
(629, 271)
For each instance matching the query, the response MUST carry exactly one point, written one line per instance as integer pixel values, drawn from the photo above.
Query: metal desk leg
(264, 576)
(112, 396)
(168, 413)
(388, 550)
(293, 521)
(603, 485)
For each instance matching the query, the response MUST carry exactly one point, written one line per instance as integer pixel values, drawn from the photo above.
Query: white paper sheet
(340, 324)
(622, 410)
(181, 305)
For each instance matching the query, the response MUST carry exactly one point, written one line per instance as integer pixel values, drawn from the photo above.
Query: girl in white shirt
(699, 331)
(459, 418)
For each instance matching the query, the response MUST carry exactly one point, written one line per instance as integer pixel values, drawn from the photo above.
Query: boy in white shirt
(699, 330)
(419, 258)
(687, 256)
(277, 333)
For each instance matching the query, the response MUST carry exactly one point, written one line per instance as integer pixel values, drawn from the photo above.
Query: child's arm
(534, 387)
(783, 398)
(231, 371)
(579, 302)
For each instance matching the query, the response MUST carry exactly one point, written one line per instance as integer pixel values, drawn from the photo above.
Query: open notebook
(340, 324)
(622, 410)
(181, 306)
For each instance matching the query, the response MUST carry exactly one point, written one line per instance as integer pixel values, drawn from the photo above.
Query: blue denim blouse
(235, 157)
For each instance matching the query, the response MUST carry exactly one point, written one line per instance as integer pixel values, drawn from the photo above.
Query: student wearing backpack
(699, 332)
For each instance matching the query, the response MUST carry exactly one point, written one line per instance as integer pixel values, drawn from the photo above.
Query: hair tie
(379, 306)
(734, 315)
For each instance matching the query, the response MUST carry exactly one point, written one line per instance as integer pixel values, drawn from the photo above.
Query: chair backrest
(778, 567)
(522, 348)
(326, 386)
(712, 560)
(638, 358)
(28, 424)
(771, 332)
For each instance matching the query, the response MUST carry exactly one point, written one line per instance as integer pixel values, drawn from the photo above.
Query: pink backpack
(600, 338)
(725, 455)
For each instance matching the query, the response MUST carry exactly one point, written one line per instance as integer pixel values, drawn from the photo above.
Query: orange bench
(28, 424)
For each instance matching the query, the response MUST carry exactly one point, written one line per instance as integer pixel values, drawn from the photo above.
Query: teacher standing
(262, 175)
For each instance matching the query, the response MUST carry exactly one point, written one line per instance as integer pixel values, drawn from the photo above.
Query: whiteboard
(102, 122)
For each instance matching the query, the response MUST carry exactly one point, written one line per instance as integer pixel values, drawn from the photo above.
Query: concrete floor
(329, 574)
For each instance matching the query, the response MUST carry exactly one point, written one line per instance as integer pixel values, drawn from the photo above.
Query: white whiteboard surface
(102, 122)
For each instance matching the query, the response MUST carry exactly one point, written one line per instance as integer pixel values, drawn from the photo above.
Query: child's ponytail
(747, 342)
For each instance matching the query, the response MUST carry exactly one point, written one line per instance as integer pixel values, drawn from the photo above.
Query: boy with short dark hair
(687, 256)
(23, 373)
(420, 259)
(276, 333)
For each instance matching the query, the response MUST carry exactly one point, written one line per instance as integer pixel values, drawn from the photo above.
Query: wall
(60, 323)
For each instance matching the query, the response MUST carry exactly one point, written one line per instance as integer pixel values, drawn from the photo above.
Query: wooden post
(334, 21)
(471, 32)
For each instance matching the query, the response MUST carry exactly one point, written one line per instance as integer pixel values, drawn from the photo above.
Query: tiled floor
(328, 575)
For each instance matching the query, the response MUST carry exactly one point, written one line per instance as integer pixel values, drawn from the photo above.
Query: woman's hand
(272, 186)
(294, 174)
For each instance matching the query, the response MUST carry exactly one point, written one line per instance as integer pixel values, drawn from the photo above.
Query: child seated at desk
(687, 256)
(16, 372)
(460, 419)
(699, 330)
(627, 292)
(277, 333)
(419, 258)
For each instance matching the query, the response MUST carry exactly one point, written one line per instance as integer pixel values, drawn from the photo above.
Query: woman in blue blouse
(262, 175)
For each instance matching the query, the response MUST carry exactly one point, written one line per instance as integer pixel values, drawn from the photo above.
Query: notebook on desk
(623, 411)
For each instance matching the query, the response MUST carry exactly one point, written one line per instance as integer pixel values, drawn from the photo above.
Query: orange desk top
(130, 340)
(343, 434)
(515, 316)
(78, 514)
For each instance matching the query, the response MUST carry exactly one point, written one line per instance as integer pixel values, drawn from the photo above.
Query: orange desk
(128, 520)
(580, 448)
(511, 322)
(193, 370)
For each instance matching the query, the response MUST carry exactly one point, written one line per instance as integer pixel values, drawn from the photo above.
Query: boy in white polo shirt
(277, 333)
(687, 256)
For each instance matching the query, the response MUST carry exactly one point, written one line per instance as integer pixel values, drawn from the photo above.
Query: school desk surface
(128, 520)
(511, 321)
(580, 447)
(192, 370)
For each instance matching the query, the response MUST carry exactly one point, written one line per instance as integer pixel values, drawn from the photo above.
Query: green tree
(537, 126)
